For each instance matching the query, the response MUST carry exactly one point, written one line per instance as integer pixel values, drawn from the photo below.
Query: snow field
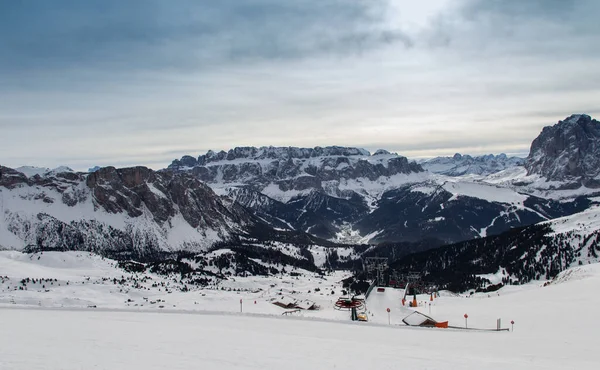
(556, 326)
(90, 281)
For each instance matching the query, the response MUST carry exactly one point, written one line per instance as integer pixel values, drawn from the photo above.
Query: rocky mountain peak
(382, 152)
(569, 151)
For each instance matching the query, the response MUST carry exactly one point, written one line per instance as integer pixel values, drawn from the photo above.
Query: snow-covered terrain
(583, 223)
(81, 279)
(555, 326)
(517, 179)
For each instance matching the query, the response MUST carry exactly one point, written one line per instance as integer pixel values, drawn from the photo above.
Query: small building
(419, 319)
(292, 303)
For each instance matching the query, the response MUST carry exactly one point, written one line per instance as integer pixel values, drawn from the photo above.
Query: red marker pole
(466, 317)
(389, 320)
(512, 324)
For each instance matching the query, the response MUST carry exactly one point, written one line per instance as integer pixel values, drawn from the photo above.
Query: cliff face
(568, 152)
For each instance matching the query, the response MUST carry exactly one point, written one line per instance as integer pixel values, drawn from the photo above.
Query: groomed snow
(555, 325)
(546, 336)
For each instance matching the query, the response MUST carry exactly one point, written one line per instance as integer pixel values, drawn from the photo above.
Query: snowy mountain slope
(454, 211)
(132, 211)
(518, 256)
(583, 223)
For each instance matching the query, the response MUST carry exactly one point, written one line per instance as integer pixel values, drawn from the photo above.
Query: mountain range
(302, 204)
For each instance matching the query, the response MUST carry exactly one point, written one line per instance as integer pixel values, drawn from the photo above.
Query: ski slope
(51, 328)
(379, 302)
(546, 336)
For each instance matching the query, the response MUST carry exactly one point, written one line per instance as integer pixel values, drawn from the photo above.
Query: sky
(143, 82)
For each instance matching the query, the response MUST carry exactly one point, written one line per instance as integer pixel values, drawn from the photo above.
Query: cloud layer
(142, 82)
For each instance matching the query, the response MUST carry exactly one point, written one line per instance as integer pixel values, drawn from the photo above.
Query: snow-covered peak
(60, 169)
(574, 118)
(31, 171)
(460, 165)
(381, 152)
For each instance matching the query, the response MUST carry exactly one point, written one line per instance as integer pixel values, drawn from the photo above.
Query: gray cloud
(532, 27)
(184, 34)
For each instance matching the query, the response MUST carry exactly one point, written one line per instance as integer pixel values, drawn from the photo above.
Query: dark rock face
(163, 193)
(568, 152)
(10, 178)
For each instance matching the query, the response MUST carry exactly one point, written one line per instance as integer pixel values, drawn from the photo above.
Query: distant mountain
(568, 152)
(31, 171)
(292, 170)
(460, 165)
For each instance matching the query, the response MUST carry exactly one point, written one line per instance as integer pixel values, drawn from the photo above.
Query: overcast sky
(142, 82)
